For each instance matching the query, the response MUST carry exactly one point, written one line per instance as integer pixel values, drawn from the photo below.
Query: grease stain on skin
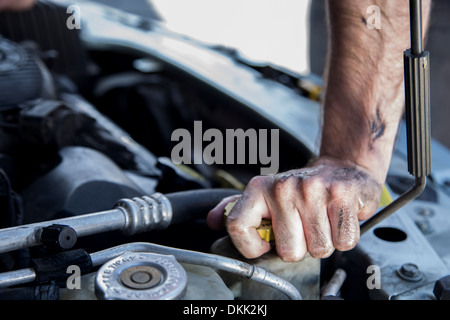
(364, 21)
(377, 128)
(348, 174)
(340, 220)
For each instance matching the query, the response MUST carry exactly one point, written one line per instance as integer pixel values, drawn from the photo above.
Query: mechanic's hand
(315, 210)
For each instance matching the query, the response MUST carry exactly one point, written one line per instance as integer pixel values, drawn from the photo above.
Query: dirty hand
(314, 209)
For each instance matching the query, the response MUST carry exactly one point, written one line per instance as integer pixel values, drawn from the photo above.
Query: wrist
(363, 135)
(376, 175)
(375, 163)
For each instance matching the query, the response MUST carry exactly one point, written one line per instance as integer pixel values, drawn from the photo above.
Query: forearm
(318, 209)
(364, 82)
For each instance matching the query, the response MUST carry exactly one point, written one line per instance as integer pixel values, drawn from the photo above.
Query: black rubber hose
(195, 204)
(44, 292)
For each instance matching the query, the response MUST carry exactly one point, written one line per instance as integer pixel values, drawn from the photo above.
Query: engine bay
(93, 207)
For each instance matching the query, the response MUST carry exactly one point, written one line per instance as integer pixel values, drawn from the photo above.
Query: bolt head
(442, 289)
(410, 272)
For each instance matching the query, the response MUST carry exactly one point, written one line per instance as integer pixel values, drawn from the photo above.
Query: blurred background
(291, 34)
(275, 31)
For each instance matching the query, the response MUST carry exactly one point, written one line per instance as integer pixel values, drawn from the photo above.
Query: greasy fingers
(345, 225)
(315, 210)
(286, 221)
(312, 205)
(214, 218)
(245, 218)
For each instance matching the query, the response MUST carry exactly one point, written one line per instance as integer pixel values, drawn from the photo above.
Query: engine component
(44, 292)
(10, 203)
(330, 291)
(410, 272)
(129, 160)
(302, 275)
(42, 25)
(84, 181)
(203, 283)
(51, 122)
(23, 76)
(54, 268)
(108, 138)
(142, 276)
(11, 278)
(132, 216)
(237, 267)
(71, 121)
(179, 177)
(441, 289)
(58, 237)
(243, 269)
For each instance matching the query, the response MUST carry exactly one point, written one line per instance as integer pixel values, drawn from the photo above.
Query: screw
(425, 211)
(410, 272)
(424, 226)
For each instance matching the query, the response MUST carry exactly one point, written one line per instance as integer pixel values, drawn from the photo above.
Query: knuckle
(291, 255)
(338, 190)
(250, 255)
(346, 242)
(257, 182)
(367, 211)
(312, 187)
(234, 226)
(346, 229)
(319, 243)
(281, 185)
(290, 251)
(321, 251)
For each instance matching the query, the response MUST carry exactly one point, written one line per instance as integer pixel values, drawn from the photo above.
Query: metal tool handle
(417, 102)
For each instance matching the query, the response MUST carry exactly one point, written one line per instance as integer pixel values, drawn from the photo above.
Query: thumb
(215, 216)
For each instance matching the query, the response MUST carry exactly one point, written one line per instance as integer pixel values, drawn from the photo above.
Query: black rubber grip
(417, 100)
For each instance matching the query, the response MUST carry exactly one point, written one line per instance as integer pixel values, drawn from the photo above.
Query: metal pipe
(415, 14)
(199, 258)
(26, 236)
(334, 285)
(130, 215)
(12, 278)
(185, 256)
(411, 194)
(417, 102)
